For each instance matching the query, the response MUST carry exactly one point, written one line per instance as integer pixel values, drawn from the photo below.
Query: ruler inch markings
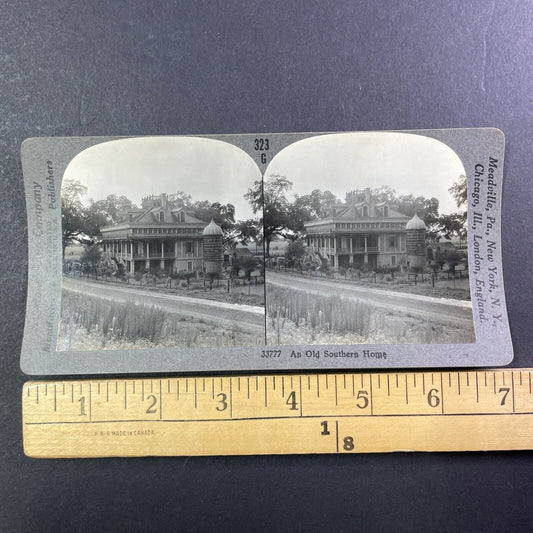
(442, 395)
(230, 397)
(301, 403)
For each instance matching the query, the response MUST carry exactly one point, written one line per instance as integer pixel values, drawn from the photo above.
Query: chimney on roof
(164, 200)
(367, 195)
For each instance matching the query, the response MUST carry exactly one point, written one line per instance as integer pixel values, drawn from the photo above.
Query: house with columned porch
(362, 231)
(158, 236)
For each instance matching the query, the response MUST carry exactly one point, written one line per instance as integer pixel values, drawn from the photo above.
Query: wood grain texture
(280, 414)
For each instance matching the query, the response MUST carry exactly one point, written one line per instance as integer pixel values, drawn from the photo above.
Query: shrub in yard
(452, 258)
(91, 257)
(386, 269)
(247, 263)
(295, 252)
(183, 274)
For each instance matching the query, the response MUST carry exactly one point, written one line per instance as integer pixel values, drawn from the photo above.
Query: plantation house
(361, 231)
(156, 236)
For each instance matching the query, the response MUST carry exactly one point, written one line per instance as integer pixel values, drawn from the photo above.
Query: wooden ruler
(280, 414)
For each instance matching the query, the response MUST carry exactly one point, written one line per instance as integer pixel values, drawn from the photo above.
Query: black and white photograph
(160, 247)
(366, 242)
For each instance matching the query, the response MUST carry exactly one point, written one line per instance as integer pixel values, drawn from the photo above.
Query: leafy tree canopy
(459, 191)
(73, 214)
(222, 214)
(270, 198)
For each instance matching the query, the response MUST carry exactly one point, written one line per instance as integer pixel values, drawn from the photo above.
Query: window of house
(393, 260)
(385, 210)
(188, 247)
(392, 242)
(182, 217)
(161, 216)
(189, 266)
(365, 210)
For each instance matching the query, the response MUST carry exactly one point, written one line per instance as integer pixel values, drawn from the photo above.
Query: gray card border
(38, 357)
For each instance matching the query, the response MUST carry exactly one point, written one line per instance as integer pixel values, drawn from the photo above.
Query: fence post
(228, 284)
(433, 279)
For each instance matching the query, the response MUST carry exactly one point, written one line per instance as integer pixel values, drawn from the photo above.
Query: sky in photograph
(410, 164)
(206, 169)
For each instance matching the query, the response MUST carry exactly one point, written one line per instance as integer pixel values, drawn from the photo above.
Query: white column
(147, 255)
(366, 250)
